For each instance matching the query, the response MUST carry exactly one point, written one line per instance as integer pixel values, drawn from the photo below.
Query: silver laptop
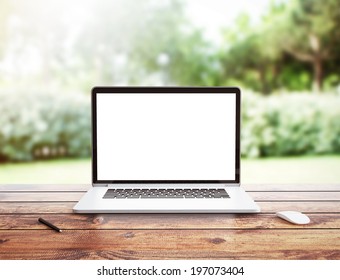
(166, 150)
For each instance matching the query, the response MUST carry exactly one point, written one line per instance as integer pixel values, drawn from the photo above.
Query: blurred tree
(145, 42)
(296, 44)
(61, 44)
(167, 44)
(249, 57)
(309, 30)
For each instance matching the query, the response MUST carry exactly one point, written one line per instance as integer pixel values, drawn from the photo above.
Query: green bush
(290, 124)
(40, 125)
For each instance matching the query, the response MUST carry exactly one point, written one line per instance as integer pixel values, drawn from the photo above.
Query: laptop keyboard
(165, 193)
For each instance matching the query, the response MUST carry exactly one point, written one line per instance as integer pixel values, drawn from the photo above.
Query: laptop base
(239, 202)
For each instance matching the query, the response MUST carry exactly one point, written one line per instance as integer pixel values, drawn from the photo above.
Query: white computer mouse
(294, 217)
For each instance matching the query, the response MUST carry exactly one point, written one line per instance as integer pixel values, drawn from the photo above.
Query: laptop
(166, 150)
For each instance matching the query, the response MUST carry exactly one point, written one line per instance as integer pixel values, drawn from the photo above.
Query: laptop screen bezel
(164, 90)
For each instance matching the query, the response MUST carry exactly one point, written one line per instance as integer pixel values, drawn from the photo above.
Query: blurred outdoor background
(283, 54)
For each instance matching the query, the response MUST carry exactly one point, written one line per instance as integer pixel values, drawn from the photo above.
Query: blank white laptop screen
(181, 136)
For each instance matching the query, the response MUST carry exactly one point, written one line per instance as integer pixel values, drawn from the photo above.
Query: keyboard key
(166, 193)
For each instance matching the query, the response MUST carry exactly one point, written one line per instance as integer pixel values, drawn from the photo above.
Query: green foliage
(290, 124)
(295, 77)
(62, 45)
(295, 46)
(40, 125)
(250, 56)
(167, 45)
(151, 42)
(308, 30)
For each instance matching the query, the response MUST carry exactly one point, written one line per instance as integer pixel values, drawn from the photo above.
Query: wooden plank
(247, 187)
(257, 196)
(170, 244)
(301, 196)
(41, 196)
(266, 207)
(291, 187)
(36, 207)
(305, 206)
(165, 221)
(45, 187)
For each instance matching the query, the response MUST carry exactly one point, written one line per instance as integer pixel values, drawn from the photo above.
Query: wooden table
(169, 236)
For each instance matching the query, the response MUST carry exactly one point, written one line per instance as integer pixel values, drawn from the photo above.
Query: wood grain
(36, 207)
(304, 206)
(247, 187)
(165, 221)
(41, 196)
(257, 196)
(266, 207)
(291, 187)
(305, 196)
(45, 187)
(170, 244)
(169, 236)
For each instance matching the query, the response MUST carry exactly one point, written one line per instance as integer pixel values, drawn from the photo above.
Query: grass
(64, 171)
(299, 170)
(321, 169)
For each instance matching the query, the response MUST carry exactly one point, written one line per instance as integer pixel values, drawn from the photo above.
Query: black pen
(41, 220)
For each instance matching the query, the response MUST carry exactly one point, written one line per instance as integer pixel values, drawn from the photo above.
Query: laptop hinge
(100, 185)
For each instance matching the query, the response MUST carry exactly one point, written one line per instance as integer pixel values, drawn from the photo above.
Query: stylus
(41, 220)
